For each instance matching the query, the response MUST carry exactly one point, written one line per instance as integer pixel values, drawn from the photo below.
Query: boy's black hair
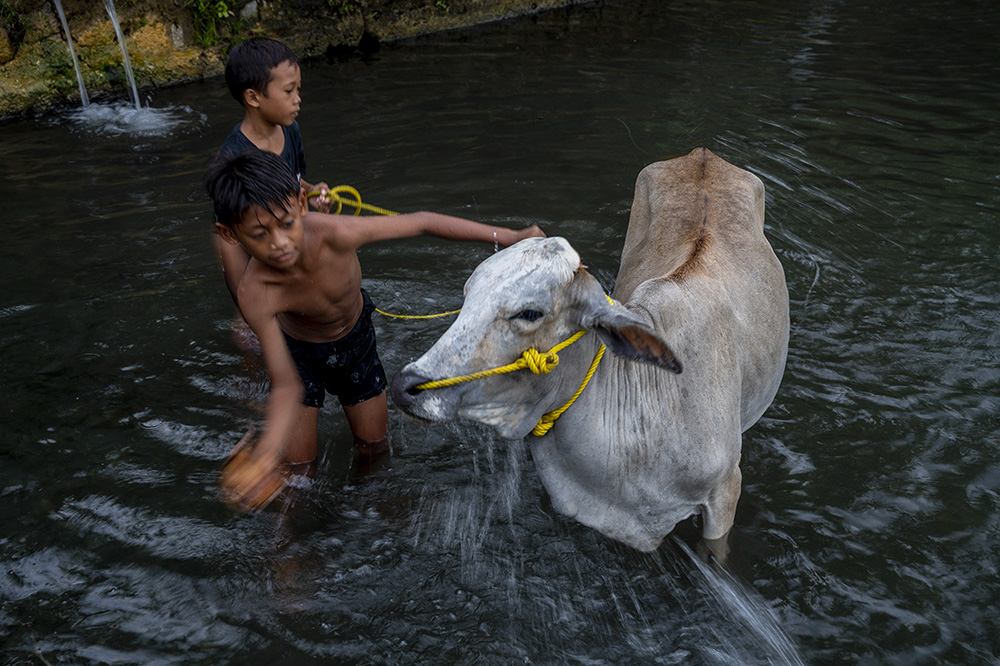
(252, 178)
(250, 63)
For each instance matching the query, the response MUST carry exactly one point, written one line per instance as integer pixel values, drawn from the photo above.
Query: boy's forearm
(280, 413)
(457, 228)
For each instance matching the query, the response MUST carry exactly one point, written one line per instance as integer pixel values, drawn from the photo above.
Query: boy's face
(280, 102)
(274, 240)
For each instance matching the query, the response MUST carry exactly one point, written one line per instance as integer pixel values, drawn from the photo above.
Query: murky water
(868, 528)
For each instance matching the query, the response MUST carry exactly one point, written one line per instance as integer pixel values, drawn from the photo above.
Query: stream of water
(868, 531)
(84, 98)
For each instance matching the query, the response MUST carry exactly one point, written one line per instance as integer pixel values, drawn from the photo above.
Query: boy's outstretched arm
(457, 228)
(368, 230)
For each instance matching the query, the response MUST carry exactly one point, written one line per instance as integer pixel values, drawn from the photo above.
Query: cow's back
(696, 247)
(685, 211)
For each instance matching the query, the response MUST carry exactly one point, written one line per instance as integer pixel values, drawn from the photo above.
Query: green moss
(209, 17)
(7, 48)
(12, 26)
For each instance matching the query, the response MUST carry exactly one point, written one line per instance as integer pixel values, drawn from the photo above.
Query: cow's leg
(719, 511)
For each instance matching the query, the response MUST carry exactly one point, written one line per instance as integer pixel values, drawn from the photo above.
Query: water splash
(84, 98)
(110, 6)
(124, 119)
(117, 118)
(764, 630)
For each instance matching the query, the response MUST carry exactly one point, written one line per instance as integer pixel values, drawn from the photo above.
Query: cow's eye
(529, 315)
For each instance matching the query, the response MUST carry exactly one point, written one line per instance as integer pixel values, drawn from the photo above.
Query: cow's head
(534, 294)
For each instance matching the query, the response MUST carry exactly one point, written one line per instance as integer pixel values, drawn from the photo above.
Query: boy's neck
(262, 133)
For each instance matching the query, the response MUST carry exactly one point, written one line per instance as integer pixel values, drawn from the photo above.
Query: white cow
(645, 445)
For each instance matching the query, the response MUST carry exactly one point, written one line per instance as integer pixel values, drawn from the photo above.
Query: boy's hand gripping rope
(355, 202)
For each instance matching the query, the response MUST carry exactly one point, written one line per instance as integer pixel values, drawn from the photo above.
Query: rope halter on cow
(531, 358)
(539, 363)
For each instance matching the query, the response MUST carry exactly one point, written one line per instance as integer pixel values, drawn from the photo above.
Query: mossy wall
(168, 42)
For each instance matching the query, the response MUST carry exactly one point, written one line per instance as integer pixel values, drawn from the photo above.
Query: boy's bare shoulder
(254, 294)
(323, 225)
(337, 231)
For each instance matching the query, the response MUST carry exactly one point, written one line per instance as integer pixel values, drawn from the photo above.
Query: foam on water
(120, 118)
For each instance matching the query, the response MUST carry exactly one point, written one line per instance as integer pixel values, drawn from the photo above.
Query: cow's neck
(611, 397)
(575, 364)
(549, 418)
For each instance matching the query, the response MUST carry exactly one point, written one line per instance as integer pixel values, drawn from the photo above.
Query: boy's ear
(251, 97)
(303, 202)
(227, 234)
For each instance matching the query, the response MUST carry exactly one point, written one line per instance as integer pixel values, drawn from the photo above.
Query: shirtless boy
(301, 294)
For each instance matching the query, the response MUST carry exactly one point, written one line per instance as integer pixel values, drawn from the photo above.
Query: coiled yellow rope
(356, 203)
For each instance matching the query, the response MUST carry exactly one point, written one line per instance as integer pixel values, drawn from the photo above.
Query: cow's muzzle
(436, 405)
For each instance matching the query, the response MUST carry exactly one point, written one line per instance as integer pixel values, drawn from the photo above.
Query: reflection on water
(867, 531)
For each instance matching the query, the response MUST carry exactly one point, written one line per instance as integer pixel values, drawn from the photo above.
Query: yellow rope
(538, 363)
(548, 419)
(356, 203)
(430, 316)
(532, 359)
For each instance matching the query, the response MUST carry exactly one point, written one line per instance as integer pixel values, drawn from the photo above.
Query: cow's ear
(622, 332)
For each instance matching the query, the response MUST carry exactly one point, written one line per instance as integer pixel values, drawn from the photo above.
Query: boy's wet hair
(252, 178)
(250, 63)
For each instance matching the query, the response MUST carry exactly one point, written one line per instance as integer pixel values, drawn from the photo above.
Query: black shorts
(349, 368)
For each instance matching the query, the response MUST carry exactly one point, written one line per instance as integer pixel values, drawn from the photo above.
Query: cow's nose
(409, 381)
(403, 388)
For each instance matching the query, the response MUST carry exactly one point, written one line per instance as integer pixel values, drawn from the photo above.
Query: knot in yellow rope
(549, 418)
(538, 362)
(532, 359)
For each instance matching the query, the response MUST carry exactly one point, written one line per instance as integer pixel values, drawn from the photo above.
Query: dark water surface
(868, 528)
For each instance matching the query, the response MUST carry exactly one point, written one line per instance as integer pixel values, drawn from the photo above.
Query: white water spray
(119, 118)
